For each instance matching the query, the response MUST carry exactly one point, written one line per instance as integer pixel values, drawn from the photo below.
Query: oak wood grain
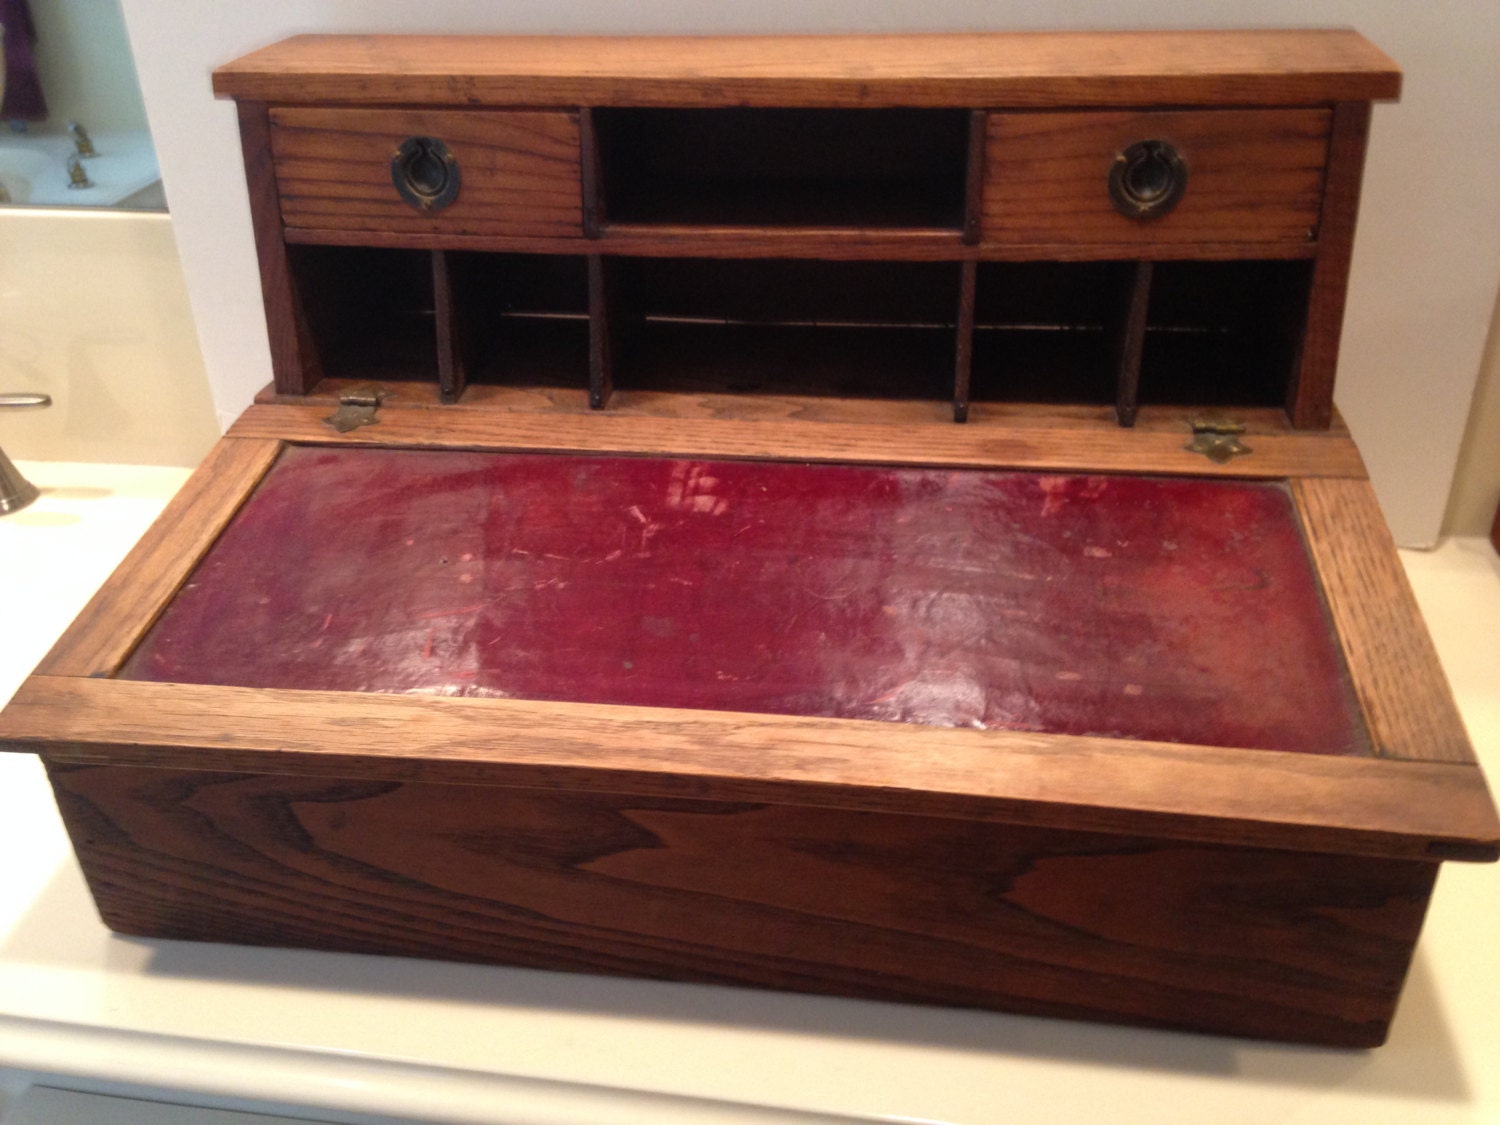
(834, 243)
(1408, 705)
(892, 907)
(1310, 394)
(1260, 798)
(1152, 417)
(989, 440)
(117, 616)
(1253, 176)
(1133, 68)
(295, 362)
(519, 171)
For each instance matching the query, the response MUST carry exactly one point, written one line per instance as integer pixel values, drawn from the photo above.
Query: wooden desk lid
(1182, 68)
(1181, 611)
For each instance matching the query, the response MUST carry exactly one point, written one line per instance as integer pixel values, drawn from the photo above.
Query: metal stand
(16, 492)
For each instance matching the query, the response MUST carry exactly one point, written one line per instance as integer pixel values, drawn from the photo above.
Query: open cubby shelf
(1210, 333)
(869, 169)
(369, 311)
(1222, 333)
(784, 327)
(1170, 333)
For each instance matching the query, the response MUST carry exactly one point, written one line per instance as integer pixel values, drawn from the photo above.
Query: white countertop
(345, 1035)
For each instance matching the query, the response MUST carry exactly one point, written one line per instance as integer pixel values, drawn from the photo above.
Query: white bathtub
(94, 312)
(34, 168)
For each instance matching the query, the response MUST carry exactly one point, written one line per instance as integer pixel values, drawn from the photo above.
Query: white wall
(1476, 491)
(83, 59)
(1426, 265)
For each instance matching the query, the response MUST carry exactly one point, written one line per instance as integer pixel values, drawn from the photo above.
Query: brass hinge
(357, 408)
(1218, 439)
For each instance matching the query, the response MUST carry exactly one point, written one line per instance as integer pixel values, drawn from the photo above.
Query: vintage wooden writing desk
(861, 515)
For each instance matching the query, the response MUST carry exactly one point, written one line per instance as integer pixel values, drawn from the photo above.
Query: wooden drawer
(1253, 176)
(519, 171)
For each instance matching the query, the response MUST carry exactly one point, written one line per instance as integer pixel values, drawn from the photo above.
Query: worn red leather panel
(1166, 609)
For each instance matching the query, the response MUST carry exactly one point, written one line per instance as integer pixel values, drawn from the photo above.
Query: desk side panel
(1128, 929)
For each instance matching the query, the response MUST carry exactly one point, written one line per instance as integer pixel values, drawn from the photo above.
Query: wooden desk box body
(802, 261)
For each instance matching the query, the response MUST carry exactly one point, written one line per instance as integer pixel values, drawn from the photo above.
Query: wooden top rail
(1016, 69)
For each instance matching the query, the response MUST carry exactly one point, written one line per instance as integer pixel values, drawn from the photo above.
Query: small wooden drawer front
(519, 170)
(1253, 176)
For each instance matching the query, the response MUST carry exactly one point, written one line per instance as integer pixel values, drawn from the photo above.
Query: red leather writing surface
(1165, 609)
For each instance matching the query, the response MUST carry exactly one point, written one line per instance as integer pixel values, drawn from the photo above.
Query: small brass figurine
(77, 177)
(81, 140)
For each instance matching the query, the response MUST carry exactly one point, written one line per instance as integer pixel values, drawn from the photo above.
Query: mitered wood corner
(132, 597)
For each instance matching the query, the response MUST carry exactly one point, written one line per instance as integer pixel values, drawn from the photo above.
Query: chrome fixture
(15, 490)
(81, 140)
(77, 177)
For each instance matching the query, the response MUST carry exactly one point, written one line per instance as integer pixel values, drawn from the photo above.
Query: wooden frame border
(666, 240)
(131, 599)
(294, 353)
(1027, 442)
(1408, 706)
(1069, 68)
(1312, 802)
(1310, 395)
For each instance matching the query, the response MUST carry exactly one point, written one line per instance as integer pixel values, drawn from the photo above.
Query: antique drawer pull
(425, 173)
(1147, 179)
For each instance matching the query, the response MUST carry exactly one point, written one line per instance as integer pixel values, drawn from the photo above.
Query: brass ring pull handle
(1147, 179)
(425, 173)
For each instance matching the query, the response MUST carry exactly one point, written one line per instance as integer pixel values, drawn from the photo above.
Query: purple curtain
(23, 88)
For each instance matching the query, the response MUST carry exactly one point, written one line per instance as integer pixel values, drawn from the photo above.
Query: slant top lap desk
(850, 514)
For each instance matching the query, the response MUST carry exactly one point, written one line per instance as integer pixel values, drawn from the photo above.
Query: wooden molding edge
(1305, 802)
(984, 442)
(115, 619)
(1397, 677)
(1255, 67)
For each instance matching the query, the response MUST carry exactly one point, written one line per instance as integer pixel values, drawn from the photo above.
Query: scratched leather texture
(1150, 608)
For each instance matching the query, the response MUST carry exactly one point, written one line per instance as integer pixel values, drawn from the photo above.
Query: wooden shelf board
(1132, 68)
